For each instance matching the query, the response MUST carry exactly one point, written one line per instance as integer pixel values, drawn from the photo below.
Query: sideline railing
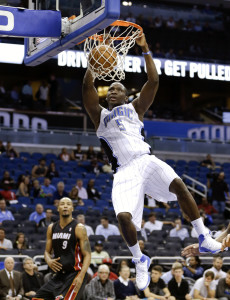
(193, 187)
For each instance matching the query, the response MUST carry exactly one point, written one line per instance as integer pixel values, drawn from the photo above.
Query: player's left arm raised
(148, 92)
(81, 235)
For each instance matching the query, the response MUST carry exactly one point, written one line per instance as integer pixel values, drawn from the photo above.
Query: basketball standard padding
(103, 59)
(29, 23)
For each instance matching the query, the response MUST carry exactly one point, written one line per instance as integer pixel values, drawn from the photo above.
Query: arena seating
(158, 241)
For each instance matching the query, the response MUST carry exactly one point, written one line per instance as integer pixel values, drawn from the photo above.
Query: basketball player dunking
(72, 255)
(137, 172)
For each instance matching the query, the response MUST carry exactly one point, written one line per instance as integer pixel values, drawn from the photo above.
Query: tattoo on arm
(87, 247)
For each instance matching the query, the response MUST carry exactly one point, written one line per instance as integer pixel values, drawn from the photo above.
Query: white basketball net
(110, 67)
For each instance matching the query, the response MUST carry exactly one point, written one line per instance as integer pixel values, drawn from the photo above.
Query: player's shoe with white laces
(208, 244)
(142, 275)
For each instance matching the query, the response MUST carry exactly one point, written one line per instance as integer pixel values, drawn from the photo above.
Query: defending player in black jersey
(69, 243)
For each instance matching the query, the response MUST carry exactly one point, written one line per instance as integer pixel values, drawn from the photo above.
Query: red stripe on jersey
(71, 295)
(78, 258)
(37, 299)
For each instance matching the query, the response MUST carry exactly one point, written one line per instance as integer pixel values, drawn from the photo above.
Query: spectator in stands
(197, 26)
(10, 281)
(77, 154)
(167, 276)
(40, 170)
(73, 195)
(219, 188)
(48, 189)
(53, 92)
(190, 27)
(14, 94)
(101, 156)
(38, 214)
(24, 188)
(5, 244)
(208, 162)
(142, 247)
(94, 167)
(82, 193)
(64, 156)
(207, 27)
(217, 269)
(205, 287)
(49, 219)
(122, 263)
(92, 191)
(157, 288)
(81, 219)
(106, 229)
(2, 147)
(59, 193)
(207, 207)
(158, 52)
(154, 224)
(52, 171)
(179, 287)
(158, 22)
(223, 288)
(5, 214)
(100, 287)
(20, 178)
(31, 280)
(221, 229)
(37, 191)
(2, 91)
(170, 54)
(170, 23)
(7, 181)
(27, 95)
(144, 232)
(20, 242)
(108, 261)
(99, 253)
(91, 154)
(107, 168)
(42, 94)
(130, 18)
(179, 231)
(10, 151)
(124, 287)
(193, 268)
(7, 194)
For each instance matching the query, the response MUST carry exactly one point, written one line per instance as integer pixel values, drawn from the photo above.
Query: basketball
(103, 59)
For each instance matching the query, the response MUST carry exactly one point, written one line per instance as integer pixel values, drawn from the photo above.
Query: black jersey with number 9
(66, 246)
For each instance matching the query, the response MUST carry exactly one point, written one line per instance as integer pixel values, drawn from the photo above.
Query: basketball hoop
(118, 38)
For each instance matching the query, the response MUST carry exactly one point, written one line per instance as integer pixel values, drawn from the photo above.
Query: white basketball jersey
(121, 134)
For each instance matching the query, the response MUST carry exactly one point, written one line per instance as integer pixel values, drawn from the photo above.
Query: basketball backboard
(91, 16)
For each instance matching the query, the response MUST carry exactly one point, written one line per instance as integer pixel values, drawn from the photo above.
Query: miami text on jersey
(61, 235)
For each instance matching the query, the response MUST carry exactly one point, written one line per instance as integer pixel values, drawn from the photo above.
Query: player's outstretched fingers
(225, 242)
(191, 250)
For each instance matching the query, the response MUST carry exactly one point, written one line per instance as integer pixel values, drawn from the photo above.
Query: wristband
(146, 53)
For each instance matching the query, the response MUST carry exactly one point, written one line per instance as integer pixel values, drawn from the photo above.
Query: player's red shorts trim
(71, 294)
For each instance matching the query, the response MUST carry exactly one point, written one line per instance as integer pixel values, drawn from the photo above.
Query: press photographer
(219, 190)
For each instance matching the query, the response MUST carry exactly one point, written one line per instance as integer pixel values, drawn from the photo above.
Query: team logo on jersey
(117, 112)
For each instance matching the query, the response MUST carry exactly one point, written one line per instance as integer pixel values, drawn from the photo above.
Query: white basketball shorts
(143, 175)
